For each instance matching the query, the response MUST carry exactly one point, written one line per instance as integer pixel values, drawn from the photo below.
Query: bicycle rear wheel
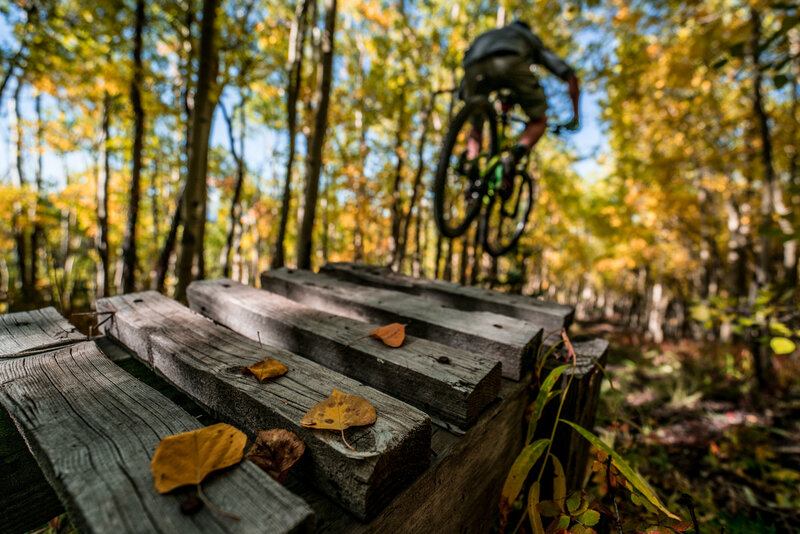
(505, 221)
(460, 184)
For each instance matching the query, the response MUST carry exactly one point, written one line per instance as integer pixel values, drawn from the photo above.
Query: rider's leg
(531, 135)
(474, 142)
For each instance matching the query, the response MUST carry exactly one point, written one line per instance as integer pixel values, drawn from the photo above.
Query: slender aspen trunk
(236, 205)
(394, 246)
(424, 119)
(297, 38)
(18, 219)
(190, 265)
(166, 253)
(129, 239)
(101, 240)
(448, 262)
(765, 270)
(314, 164)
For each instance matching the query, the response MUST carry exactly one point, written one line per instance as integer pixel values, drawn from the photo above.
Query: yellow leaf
(391, 334)
(559, 483)
(189, 457)
(265, 369)
(340, 411)
(533, 511)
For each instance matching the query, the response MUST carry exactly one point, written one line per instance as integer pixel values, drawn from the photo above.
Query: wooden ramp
(448, 426)
(93, 429)
(451, 385)
(511, 341)
(205, 360)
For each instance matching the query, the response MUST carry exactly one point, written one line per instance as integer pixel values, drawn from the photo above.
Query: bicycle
(503, 221)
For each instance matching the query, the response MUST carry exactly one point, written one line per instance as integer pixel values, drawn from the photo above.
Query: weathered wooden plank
(26, 499)
(461, 490)
(93, 429)
(549, 315)
(511, 341)
(35, 330)
(451, 385)
(205, 360)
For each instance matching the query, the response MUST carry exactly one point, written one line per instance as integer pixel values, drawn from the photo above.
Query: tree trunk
(129, 239)
(236, 206)
(417, 177)
(101, 240)
(448, 262)
(195, 193)
(297, 38)
(164, 256)
(394, 238)
(19, 222)
(463, 259)
(37, 232)
(438, 255)
(764, 274)
(314, 164)
(790, 253)
(765, 270)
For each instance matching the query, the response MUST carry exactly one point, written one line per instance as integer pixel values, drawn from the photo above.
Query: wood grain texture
(511, 341)
(461, 490)
(205, 360)
(93, 429)
(35, 330)
(451, 385)
(549, 315)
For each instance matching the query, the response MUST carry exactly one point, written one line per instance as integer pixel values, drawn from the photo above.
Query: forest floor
(690, 417)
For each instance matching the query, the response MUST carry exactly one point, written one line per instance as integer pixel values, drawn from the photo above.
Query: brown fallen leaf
(275, 451)
(264, 369)
(392, 335)
(340, 411)
(187, 458)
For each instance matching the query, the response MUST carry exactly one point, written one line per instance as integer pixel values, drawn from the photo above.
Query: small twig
(688, 502)
(613, 490)
(211, 506)
(358, 339)
(104, 321)
(92, 314)
(258, 333)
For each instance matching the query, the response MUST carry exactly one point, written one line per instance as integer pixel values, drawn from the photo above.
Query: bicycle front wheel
(460, 183)
(505, 221)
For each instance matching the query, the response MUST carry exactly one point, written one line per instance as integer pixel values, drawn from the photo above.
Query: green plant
(574, 512)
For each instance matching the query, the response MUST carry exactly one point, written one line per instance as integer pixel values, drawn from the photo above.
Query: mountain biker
(504, 58)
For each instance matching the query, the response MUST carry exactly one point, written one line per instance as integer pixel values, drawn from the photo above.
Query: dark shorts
(506, 72)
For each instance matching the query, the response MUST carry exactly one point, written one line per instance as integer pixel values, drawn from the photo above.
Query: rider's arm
(574, 94)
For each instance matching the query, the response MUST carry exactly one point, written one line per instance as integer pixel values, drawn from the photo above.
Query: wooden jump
(205, 360)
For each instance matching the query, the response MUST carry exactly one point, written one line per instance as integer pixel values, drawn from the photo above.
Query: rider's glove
(573, 125)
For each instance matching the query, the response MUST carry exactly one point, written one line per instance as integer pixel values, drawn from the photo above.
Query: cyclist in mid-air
(503, 59)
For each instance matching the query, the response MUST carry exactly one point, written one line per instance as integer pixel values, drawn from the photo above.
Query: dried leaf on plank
(275, 451)
(264, 369)
(339, 412)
